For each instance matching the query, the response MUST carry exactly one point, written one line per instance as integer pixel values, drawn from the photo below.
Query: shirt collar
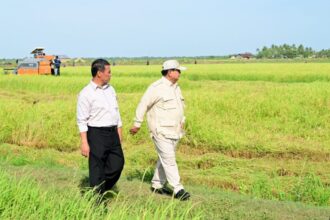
(168, 82)
(95, 86)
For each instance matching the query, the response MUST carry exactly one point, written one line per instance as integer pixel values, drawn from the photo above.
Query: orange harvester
(40, 64)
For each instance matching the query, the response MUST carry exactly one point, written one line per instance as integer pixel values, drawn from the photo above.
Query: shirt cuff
(83, 128)
(183, 120)
(120, 124)
(137, 124)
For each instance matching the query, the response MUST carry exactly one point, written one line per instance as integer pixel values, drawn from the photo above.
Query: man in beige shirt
(164, 105)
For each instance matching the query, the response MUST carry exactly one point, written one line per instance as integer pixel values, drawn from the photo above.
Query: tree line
(290, 51)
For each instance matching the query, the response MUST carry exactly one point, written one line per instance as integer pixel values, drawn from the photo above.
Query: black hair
(98, 65)
(165, 72)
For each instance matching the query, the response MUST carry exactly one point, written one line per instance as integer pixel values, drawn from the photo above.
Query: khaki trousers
(166, 168)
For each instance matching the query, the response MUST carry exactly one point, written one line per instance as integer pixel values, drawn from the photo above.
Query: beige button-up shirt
(164, 105)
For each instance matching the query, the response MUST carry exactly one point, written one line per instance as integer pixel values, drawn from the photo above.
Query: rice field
(257, 130)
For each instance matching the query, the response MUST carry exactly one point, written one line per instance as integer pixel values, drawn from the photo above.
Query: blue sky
(106, 28)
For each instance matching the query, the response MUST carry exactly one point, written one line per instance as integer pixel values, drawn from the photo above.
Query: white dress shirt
(97, 107)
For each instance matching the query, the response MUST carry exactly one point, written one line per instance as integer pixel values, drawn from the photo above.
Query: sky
(130, 28)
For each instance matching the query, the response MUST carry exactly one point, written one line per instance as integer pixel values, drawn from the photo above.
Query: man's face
(105, 75)
(174, 74)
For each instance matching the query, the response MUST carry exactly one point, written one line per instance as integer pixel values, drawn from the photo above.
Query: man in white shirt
(99, 123)
(164, 105)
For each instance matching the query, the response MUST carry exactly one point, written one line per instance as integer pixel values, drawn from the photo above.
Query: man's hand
(134, 130)
(84, 144)
(120, 134)
(85, 149)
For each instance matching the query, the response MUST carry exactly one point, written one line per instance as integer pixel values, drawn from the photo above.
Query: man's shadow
(140, 174)
(85, 188)
(84, 185)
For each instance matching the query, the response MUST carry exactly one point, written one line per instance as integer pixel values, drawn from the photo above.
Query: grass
(270, 117)
(40, 188)
(27, 200)
(260, 130)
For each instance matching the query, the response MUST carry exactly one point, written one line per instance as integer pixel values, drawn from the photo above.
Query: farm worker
(57, 65)
(52, 67)
(100, 128)
(164, 105)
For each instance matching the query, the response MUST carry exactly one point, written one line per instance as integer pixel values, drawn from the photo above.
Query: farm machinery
(39, 64)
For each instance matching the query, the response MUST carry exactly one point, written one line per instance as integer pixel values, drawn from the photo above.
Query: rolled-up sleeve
(183, 120)
(83, 110)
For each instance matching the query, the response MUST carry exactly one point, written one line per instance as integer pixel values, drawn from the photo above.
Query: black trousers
(106, 158)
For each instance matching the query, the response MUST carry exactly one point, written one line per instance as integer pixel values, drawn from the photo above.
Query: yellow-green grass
(258, 129)
(47, 184)
(270, 118)
(275, 72)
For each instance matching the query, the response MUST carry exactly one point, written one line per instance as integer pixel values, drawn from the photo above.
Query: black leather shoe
(162, 191)
(182, 195)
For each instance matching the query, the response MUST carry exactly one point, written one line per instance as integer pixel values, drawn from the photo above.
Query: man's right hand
(134, 130)
(85, 149)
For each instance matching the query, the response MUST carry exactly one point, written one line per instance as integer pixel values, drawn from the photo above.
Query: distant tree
(301, 50)
(323, 53)
(285, 51)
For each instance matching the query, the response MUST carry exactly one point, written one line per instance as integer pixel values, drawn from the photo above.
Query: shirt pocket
(168, 128)
(168, 103)
(167, 123)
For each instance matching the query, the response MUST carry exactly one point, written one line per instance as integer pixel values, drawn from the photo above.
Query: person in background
(57, 66)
